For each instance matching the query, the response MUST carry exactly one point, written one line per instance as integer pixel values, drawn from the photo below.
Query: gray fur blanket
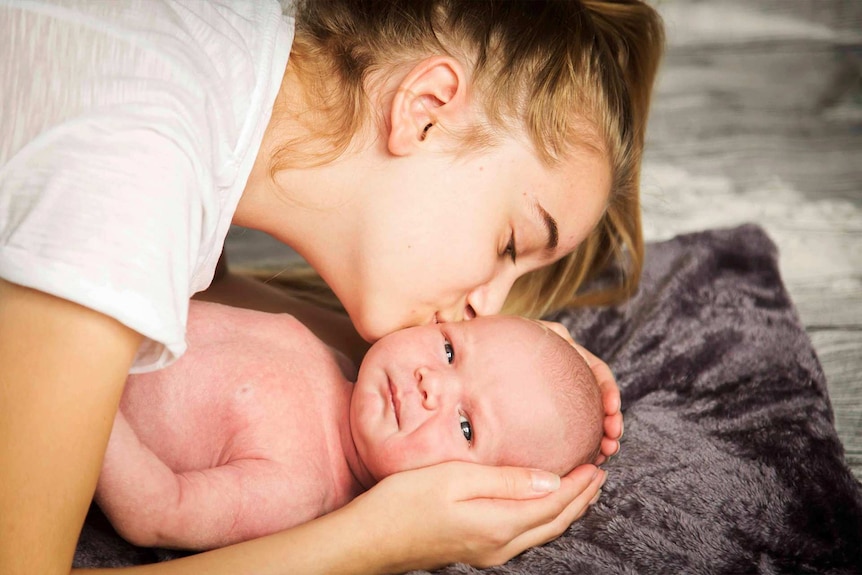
(730, 462)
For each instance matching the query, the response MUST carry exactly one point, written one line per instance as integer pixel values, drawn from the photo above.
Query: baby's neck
(348, 466)
(361, 475)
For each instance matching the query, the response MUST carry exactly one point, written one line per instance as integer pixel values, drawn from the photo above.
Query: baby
(257, 427)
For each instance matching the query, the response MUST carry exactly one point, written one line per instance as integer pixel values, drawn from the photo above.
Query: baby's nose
(429, 387)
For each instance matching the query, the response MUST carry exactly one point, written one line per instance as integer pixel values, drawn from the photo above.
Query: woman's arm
(62, 369)
(417, 519)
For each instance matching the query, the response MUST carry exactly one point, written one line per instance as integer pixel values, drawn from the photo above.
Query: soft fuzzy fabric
(730, 462)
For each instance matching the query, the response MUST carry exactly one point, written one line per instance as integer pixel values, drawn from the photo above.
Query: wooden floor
(757, 118)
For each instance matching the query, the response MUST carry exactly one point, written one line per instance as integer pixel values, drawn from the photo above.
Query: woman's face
(444, 238)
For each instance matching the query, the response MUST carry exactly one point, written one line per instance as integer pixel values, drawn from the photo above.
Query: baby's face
(471, 391)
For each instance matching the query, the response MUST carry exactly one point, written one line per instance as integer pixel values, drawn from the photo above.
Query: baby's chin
(380, 466)
(377, 470)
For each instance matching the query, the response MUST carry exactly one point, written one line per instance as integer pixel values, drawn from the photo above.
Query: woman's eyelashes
(466, 428)
(510, 250)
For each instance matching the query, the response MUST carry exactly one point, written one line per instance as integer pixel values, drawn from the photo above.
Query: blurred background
(757, 117)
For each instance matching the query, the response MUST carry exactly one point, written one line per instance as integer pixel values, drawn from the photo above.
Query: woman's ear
(433, 92)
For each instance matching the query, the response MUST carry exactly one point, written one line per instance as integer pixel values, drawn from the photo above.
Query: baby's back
(240, 380)
(253, 388)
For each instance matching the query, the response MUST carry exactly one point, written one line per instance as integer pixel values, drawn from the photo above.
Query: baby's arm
(151, 506)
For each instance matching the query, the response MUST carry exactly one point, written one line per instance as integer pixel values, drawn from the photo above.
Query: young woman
(421, 155)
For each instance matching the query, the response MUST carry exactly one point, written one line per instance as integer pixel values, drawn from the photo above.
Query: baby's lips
(394, 402)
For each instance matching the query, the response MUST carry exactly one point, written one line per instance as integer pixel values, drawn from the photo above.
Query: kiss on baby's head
(495, 390)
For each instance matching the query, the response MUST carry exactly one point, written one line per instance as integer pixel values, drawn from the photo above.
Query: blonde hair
(568, 73)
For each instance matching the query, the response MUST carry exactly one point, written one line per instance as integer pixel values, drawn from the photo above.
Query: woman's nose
(488, 298)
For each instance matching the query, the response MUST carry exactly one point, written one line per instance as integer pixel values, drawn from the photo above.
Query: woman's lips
(396, 405)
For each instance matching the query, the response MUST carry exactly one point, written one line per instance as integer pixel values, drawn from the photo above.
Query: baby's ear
(434, 92)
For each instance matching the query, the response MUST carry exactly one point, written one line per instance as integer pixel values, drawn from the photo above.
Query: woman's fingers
(557, 525)
(476, 514)
(609, 447)
(520, 524)
(559, 329)
(480, 481)
(524, 514)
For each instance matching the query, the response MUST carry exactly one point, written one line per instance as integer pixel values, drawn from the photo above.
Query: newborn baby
(257, 427)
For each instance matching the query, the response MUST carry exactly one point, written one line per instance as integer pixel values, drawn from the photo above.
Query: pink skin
(477, 391)
(257, 429)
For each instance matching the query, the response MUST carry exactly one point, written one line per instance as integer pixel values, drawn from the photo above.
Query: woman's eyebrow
(550, 225)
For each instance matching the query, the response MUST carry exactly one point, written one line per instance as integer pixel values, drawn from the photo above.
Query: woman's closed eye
(466, 428)
(510, 250)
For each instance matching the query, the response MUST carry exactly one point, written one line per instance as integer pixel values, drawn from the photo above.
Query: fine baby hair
(579, 391)
(568, 74)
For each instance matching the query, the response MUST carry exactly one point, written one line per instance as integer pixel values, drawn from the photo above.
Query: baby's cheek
(429, 447)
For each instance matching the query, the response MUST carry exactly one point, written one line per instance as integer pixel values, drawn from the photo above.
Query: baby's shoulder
(250, 333)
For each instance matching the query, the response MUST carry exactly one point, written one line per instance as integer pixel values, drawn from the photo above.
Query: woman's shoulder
(202, 69)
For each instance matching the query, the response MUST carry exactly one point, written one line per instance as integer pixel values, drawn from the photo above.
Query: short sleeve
(107, 213)
(129, 130)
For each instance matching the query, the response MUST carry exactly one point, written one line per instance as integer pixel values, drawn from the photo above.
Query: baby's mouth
(396, 405)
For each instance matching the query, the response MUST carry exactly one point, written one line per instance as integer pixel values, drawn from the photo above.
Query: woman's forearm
(62, 368)
(332, 544)
(459, 512)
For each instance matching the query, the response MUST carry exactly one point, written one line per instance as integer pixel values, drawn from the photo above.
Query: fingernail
(596, 497)
(545, 482)
(605, 478)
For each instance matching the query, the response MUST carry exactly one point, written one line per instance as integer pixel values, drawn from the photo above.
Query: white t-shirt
(128, 130)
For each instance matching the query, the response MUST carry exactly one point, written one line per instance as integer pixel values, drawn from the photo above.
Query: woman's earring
(425, 132)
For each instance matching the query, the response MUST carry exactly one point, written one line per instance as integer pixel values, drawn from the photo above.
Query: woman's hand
(465, 512)
(610, 394)
(420, 519)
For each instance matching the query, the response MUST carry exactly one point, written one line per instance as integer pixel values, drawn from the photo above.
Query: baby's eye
(466, 428)
(450, 351)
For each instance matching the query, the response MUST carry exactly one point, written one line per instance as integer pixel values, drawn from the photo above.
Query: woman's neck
(294, 200)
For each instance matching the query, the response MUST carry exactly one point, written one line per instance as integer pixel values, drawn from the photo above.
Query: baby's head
(499, 390)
